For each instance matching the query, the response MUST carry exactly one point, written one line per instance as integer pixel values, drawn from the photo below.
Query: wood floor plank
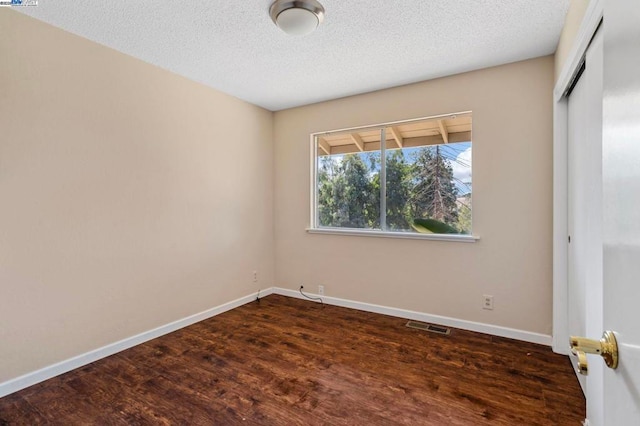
(284, 361)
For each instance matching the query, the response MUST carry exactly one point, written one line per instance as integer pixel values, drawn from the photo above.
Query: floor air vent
(429, 327)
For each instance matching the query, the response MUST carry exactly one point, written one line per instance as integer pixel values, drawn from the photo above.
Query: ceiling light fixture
(297, 17)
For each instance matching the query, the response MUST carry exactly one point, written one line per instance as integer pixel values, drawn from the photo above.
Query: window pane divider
(383, 179)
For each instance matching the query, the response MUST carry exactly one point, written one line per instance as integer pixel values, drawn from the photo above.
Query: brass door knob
(606, 347)
(581, 364)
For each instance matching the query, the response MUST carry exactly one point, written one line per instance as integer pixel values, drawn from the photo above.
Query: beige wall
(577, 9)
(124, 208)
(130, 197)
(512, 180)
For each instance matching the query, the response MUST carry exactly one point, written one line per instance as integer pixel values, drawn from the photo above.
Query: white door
(584, 155)
(621, 212)
(576, 218)
(584, 265)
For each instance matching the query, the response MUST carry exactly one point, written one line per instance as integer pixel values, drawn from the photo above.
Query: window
(409, 177)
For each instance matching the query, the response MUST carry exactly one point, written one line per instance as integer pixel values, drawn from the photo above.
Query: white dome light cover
(297, 17)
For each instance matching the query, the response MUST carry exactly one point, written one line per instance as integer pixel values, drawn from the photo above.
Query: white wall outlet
(487, 302)
(255, 276)
(321, 290)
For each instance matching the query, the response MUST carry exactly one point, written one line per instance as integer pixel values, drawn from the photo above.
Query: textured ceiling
(362, 45)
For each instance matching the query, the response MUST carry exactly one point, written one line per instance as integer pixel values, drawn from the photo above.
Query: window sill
(389, 234)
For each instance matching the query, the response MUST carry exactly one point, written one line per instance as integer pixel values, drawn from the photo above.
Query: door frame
(590, 23)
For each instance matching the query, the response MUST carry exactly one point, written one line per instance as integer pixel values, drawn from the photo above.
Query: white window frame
(313, 190)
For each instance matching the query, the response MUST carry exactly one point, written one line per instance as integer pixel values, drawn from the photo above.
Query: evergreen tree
(348, 194)
(349, 190)
(398, 191)
(434, 192)
(339, 200)
(326, 202)
(464, 214)
(358, 197)
(373, 210)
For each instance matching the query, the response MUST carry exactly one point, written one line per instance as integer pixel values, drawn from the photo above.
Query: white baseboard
(495, 330)
(54, 370)
(29, 379)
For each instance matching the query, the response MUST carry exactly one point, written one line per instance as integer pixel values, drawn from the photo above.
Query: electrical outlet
(255, 276)
(321, 290)
(487, 302)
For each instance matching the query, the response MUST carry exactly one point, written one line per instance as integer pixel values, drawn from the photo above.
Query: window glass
(412, 176)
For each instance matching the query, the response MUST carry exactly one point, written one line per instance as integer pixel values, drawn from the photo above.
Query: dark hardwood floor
(284, 361)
